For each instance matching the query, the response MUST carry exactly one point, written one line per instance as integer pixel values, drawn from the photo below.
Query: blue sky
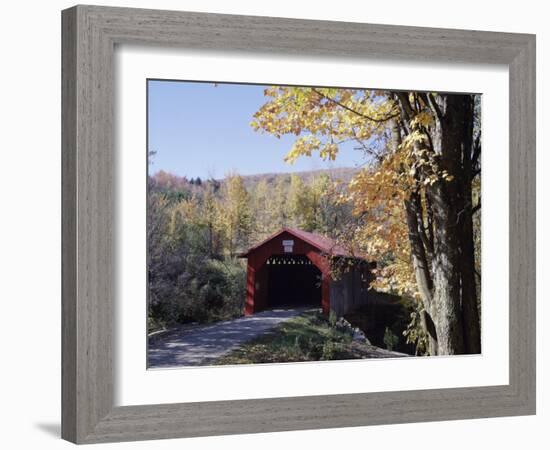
(199, 129)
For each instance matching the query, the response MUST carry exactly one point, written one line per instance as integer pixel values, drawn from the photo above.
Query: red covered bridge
(293, 268)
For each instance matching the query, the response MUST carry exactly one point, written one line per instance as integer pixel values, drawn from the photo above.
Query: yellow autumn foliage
(324, 118)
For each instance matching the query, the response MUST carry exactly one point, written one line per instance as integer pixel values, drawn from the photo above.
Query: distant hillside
(341, 174)
(168, 182)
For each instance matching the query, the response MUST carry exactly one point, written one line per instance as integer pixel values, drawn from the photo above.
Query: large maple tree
(413, 194)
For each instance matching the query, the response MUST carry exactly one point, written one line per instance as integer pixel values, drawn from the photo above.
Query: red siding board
(256, 289)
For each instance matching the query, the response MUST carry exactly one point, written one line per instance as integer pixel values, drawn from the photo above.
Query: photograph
(310, 223)
(258, 225)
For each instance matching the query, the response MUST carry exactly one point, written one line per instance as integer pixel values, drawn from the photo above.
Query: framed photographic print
(277, 224)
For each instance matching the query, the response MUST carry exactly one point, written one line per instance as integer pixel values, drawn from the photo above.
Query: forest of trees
(197, 228)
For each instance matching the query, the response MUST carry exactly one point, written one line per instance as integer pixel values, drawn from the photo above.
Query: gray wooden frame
(89, 36)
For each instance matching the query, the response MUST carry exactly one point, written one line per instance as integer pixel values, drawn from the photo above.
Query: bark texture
(441, 228)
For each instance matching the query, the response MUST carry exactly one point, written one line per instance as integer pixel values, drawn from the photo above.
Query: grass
(308, 337)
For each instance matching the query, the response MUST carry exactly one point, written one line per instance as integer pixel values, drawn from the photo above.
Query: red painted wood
(250, 278)
(256, 288)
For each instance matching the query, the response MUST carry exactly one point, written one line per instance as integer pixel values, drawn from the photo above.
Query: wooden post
(250, 289)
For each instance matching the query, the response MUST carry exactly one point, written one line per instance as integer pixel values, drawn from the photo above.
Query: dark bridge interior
(293, 281)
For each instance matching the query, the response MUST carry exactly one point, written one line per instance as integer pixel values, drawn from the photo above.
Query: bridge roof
(323, 243)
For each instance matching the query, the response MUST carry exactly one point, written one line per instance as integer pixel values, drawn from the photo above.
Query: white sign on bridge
(288, 245)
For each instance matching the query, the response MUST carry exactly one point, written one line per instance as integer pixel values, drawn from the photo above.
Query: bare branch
(403, 99)
(336, 102)
(435, 106)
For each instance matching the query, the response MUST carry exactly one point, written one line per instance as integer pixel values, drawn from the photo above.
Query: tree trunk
(449, 265)
(446, 278)
(421, 270)
(472, 331)
(470, 313)
(446, 308)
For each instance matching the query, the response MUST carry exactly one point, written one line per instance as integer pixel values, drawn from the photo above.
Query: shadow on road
(202, 345)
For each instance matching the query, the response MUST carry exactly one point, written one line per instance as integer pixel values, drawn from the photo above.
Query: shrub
(204, 291)
(332, 318)
(329, 350)
(390, 339)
